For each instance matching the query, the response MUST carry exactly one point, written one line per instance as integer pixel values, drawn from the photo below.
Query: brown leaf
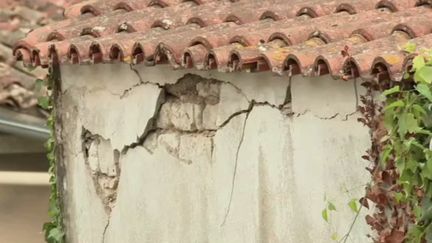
(364, 202)
(370, 220)
(396, 236)
(387, 177)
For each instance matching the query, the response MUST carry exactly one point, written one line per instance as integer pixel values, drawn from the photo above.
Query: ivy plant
(53, 230)
(407, 117)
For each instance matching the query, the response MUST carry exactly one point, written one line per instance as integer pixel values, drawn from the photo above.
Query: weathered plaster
(331, 98)
(155, 155)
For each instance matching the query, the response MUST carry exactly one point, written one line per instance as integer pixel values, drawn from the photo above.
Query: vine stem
(346, 236)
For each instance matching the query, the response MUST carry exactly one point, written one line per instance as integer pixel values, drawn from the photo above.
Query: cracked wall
(156, 155)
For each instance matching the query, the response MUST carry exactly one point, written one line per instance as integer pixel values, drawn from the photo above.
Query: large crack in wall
(190, 107)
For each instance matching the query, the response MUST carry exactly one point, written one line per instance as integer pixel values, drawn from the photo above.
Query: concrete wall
(155, 155)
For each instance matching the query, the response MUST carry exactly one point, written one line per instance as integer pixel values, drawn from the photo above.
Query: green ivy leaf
(418, 63)
(395, 89)
(53, 212)
(407, 123)
(49, 144)
(324, 214)
(419, 109)
(415, 234)
(43, 102)
(50, 122)
(423, 75)
(331, 206)
(51, 156)
(52, 179)
(354, 205)
(418, 211)
(385, 155)
(427, 209)
(424, 90)
(39, 83)
(335, 237)
(418, 145)
(427, 170)
(399, 197)
(395, 104)
(428, 236)
(411, 164)
(410, 47)
(389, 119)
(55, 235)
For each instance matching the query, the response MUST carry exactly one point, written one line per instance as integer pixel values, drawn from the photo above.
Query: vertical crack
(288, 94)
(105, 230)
(286, 107)
(356, 93)
(236, 165)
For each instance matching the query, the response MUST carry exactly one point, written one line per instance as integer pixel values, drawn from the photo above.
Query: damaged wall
(155, 155)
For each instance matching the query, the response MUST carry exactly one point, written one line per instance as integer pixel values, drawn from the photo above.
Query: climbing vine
(401, 154)
(54, 232)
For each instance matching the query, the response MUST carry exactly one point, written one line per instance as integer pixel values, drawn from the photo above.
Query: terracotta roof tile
(17, 17)
(283, 36)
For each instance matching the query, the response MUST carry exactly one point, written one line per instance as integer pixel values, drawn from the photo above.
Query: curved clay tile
(396, 5)
(194, 56)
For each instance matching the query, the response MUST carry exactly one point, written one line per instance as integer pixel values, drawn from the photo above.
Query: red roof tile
(17, 17)
(284, 36)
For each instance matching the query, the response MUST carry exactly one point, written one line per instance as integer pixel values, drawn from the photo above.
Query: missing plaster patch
(187, 101)
(102, 162)
(197, 104)
(195, 89)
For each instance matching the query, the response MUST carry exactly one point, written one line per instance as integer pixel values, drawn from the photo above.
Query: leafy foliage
(54, 232)
(401, 154)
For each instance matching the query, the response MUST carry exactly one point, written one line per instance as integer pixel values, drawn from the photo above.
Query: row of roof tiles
(283, 36)
(17, 17)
